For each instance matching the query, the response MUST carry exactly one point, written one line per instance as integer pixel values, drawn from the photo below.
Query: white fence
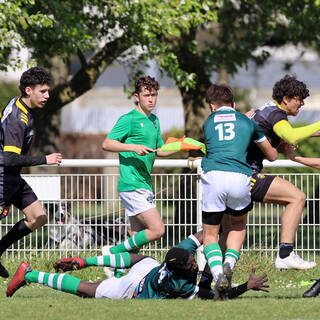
(84, 212)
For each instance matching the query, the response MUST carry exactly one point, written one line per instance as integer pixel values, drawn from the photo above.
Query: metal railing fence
(85, 213)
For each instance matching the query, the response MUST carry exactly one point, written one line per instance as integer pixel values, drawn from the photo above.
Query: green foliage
(8, 90)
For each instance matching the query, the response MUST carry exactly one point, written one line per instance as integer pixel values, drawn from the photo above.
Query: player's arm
(117, 146)
(165, 153)
(253, 283)
(310, 162)
(284, 130)
(12, 159)
(270, 153)
(13, 142)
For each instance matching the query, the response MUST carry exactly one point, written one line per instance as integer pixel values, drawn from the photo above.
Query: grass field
(282, 302)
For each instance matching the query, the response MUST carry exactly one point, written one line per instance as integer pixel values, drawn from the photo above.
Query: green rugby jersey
(136, 128)
(228, 134)
(160, 283)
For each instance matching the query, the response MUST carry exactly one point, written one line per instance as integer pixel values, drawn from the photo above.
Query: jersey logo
(164, 273)
(141, 124)
(7, 110)
(224, 117)
(24, 118)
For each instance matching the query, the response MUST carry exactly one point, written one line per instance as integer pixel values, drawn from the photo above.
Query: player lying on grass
(147, 279)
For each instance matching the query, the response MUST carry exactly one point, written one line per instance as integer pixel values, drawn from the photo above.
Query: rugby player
(147, 279)
(16, 134)
(288, 97)
(136, 137)
(226, 180)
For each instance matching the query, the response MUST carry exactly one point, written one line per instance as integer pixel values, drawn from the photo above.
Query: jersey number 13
(225, 131)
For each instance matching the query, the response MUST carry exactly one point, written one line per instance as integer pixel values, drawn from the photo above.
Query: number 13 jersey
(228, 134)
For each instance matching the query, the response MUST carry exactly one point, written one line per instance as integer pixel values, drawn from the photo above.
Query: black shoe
(205, 280)
(3, 271)
(313, 291)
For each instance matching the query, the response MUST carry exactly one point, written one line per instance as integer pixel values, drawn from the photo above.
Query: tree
(189, 39)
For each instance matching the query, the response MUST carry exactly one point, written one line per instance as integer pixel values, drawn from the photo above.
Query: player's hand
(142, 150)
(257, 283)
(289, 151)
(54, 158)
(250, 113)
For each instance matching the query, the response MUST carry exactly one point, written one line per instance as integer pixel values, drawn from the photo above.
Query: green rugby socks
(136, 241)
(213, 255)
(118, 260)
(58, 281)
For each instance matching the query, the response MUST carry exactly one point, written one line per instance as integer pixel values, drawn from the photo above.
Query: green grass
(282, 302)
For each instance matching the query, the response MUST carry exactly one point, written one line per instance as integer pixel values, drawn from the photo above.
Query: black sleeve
(12, 159)
(237, 291)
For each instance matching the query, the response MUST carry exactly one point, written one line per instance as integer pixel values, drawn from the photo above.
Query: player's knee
(159, 232)
(300, 198)
(39, 221)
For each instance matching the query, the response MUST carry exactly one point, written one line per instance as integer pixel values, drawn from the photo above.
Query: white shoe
(293, 261)
(108, 271)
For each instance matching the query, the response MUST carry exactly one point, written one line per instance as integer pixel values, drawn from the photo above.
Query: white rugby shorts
(222, 189)
(137, 201)
(124, 287)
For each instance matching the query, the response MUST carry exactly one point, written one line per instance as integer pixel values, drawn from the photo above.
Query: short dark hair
(176, 258)
(219, 95)
(146, 82)
(289, 87)
(33, 77)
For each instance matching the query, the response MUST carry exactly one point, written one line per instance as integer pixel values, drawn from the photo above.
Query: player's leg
(118, 260)
(215, 189)
(285, 193)
(238, 205)
(25, 200)
(61, 282)
(145, 220)
(146, 227)
(234, 242)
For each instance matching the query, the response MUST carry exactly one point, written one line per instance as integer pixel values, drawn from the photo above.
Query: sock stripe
(100, 260)
(231, 254)
(127, 245)
(59, 281)
(121, 261)
(41, 277)
(194, 239)
(213, 260)
(214, 252)
(134, 241)
(50, 280)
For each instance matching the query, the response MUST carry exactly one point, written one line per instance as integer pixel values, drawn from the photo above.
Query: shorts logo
(141, 124)
(4, 212)
(261, 176)
(150, 199)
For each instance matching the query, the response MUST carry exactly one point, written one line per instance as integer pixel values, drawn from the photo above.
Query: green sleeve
(258, 133)
(121, 130)
(191, 244)
(160, 142)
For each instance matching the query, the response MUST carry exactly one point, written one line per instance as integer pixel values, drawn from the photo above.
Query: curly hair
(33, 77)
(146, 82)
(289, 87)
(219, 95)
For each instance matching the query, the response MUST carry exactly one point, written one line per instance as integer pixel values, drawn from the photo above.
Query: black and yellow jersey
(16, 133)
(266, 117)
